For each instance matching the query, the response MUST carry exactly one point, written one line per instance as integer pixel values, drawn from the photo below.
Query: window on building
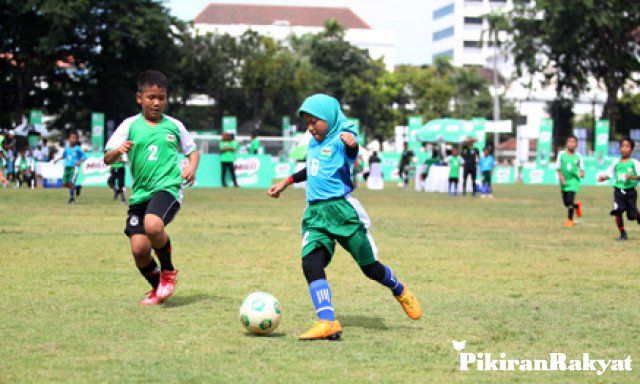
(443, 11)
(443, 34)
(473, 20)
(497, 1)
(471, 44)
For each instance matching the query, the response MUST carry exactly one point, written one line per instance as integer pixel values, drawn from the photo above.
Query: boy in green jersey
(624, 172)
(570, 170)
(254, 144)
(454, 162)
(152, 141)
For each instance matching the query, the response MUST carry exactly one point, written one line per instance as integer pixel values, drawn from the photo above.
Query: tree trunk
(610, 110)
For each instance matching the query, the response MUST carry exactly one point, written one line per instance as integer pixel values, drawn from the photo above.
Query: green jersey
(254, 146)
(228, 156)
(619, 171)
(154, 155)
(570, 166)
(454, 163)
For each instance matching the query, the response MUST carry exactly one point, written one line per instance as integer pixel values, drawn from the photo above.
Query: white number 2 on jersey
(153, 152)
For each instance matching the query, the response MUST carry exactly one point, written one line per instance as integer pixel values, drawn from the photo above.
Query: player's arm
(189, 172)
(118, 143)
(350, 143)
(83, 157)
(581, 164)
(298, 177)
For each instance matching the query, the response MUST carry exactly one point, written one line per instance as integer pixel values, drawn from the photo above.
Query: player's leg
(224, 174)
(161, 210)
(619, 206)
(315, 257)
(465, 175)
(362, 248)
(473, 174)
(67, 178)
(455, 186)
(120, 175)
(568, 201)
(141, 250)
(232, 170)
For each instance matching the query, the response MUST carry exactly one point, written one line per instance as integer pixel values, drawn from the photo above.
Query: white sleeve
(581, 165)
(558, 163)
(186, 140)
(461, 160)
(120, 135)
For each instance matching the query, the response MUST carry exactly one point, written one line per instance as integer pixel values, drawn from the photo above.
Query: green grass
(502, 274)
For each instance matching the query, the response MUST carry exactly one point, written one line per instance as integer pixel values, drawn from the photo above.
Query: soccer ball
(260, 313)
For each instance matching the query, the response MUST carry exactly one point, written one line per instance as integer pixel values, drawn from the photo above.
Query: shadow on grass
(362, 321)
(275, 334)
(182, 300)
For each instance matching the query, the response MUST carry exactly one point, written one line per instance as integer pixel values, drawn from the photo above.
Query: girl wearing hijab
(332, 214)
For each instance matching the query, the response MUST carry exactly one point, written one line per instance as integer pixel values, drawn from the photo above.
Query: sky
(409, 19)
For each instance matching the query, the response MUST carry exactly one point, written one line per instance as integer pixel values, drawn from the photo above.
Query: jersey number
(315, 167)
(153, 152)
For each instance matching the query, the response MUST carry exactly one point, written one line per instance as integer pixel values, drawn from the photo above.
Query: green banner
(479, 132)
(503, 175)
(229, 124)
(389, 162)
(601, 139)
(544, 141)
(97, 131)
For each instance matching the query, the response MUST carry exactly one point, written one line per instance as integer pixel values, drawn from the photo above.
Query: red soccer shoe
(168, 280)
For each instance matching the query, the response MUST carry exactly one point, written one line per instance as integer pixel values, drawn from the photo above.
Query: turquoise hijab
(327, 108)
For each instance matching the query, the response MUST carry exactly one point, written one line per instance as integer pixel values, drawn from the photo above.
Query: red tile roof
(226, 14)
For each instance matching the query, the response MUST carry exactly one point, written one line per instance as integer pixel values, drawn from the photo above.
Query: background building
(280, 22)
(459, 31)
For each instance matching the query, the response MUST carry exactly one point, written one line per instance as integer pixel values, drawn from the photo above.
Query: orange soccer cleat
(578, 208)
(568, 223)
(410, 304)
(323, 330)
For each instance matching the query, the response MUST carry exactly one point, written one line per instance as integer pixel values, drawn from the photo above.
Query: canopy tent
(446, 130)
(24, 129)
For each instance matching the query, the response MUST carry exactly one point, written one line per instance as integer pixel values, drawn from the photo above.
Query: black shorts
(162, 204)
(625, 200)
(453, 179)
(568, 198)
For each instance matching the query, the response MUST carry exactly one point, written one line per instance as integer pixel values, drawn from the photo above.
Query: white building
(280, 22)
(459, 31)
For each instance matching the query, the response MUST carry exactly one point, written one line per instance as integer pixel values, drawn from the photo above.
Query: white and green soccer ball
(260, 313)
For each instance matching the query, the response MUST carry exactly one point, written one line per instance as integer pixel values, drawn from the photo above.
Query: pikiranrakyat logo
(556, 361)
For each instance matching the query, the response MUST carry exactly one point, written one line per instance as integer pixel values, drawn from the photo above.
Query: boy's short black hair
(150, 78)
(631, 142)
(572, 136)
(73, 133)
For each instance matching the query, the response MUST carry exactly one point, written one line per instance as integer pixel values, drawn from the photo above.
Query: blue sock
(71, 190)
(390, 281)
(321, 297)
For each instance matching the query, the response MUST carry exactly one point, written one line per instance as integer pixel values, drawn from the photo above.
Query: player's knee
(313, 265)
(153, 225)
(140, 251)
(374, 271)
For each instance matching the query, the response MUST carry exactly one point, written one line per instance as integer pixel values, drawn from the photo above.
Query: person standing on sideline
(405, 162)
(470, 157)
(228, 154)
(254, 144)
(487, 163)
(454, 162)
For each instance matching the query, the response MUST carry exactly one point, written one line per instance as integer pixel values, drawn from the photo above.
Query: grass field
(501, 273)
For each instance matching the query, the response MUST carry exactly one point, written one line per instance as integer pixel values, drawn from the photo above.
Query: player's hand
(189, 175)
(275, 190)
(602, 178)
(562, 180)
(348, 139)
(582, 174)
(125, 147)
